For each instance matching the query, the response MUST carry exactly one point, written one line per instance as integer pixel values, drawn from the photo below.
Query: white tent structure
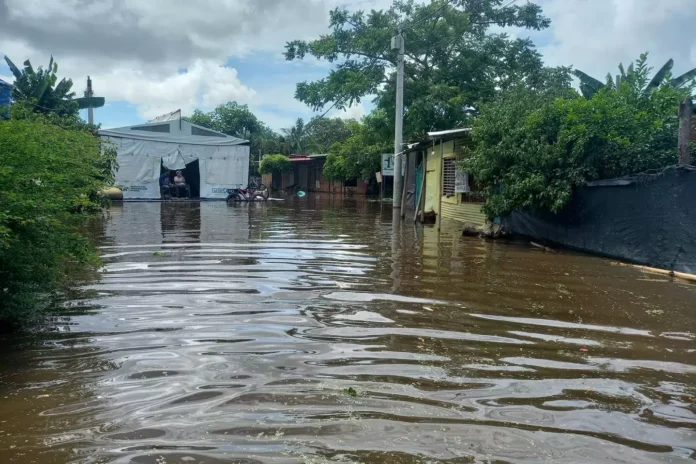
(223, 161)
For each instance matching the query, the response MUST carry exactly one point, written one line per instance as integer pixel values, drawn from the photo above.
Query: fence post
(685, 132)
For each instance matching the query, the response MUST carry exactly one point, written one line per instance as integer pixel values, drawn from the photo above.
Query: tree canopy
(236, 120)
(361, 153)
(452, 62)
(533, 148)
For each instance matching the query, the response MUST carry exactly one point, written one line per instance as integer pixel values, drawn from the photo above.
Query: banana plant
(41, 88)
(637, 76)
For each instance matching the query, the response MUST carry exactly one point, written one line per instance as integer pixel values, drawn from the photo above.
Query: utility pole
(685, 115)
(89, 94)
(397, 43)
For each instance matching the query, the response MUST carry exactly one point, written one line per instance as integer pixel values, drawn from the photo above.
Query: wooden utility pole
(685, 132)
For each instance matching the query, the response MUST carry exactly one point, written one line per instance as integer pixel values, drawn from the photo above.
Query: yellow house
(447, 189)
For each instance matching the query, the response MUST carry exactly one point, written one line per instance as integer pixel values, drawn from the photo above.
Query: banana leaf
(28, 68)
(660, 76)
(684, 78)
(15, 70)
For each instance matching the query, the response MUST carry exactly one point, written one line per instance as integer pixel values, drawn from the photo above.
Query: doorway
(191, 173)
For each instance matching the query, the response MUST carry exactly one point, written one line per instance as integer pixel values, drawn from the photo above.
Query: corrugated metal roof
(445, 133)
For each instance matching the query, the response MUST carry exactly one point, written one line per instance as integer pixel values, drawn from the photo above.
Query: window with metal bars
(449, 177)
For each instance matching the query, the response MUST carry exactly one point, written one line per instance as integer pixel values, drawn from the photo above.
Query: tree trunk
(685, 132)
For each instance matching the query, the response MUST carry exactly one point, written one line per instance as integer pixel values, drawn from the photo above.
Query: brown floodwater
(312, 330)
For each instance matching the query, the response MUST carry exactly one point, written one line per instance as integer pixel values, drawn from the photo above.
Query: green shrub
(533, 149)
(51, 179)
(274, 163)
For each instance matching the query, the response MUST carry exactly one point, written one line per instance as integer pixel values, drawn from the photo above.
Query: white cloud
(203, 85)
(597, 35)
(354, 112)
(136, 50)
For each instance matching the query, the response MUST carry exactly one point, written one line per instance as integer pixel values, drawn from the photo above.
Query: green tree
(321, 133)
(453, 62)
(40, 88)
(335, 169)
(275, 164)
(533, 148)
(295, 137)
(52, 177)
(362, 151)
(237, 120)
(637, 76)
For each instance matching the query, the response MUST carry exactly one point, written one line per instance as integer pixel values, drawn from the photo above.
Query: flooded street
(309, 331)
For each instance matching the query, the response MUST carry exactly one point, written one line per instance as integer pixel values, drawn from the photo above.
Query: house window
(449, 177)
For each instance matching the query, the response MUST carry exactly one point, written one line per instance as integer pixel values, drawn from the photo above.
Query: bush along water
(52, 171)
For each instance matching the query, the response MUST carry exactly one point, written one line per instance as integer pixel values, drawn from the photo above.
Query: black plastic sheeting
(648, 219)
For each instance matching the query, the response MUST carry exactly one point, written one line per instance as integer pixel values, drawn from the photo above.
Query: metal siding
(464, 212)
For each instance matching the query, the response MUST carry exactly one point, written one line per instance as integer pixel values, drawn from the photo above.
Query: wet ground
(311, 331)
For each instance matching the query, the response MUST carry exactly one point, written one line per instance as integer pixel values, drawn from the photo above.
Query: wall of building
(453, 207)
(309, 176)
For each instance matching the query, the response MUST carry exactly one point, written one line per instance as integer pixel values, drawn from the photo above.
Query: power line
(445, 4)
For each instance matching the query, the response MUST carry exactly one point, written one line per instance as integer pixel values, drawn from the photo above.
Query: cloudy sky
(149, 57)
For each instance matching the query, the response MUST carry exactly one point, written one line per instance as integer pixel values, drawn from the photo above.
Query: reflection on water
(311, 331)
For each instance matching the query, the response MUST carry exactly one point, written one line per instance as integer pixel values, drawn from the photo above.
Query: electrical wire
(445, 4)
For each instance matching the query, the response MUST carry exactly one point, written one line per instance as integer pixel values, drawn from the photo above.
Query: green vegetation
(53, 170)
(637, 76)
(335, 168)
(361, 153)
(533, 147)
(238, 120)
(453, 64)
(275, 164)
(40, 88)
(52, 177)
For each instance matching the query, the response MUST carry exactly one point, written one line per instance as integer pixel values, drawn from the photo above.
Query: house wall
(309, 175)
(454, 207)
(267, 180)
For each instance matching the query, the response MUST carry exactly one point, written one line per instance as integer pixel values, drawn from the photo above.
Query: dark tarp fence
(648, 219)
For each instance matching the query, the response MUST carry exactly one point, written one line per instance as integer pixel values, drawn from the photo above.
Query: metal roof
(447, 133)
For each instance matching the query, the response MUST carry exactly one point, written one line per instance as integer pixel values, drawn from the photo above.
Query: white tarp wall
(222, 163)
